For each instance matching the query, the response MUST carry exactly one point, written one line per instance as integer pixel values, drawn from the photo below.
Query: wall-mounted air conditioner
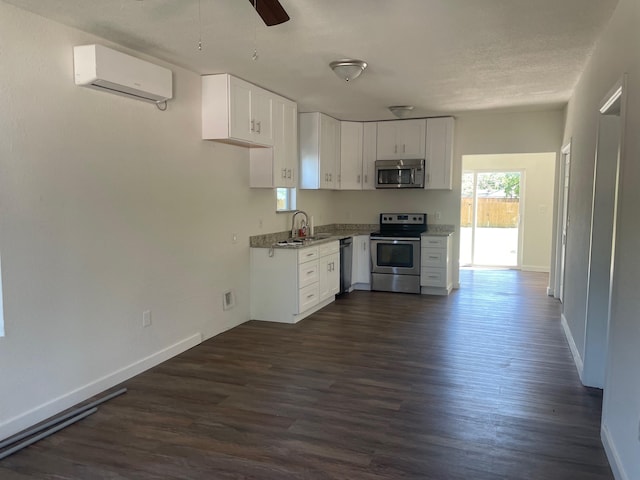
(105, 69)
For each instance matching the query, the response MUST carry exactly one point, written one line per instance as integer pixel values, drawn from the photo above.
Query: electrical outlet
(260, 223)
(438, 215)
(234, 238)
(146, 318)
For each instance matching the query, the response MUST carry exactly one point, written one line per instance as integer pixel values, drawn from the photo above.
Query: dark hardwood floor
(478, 385)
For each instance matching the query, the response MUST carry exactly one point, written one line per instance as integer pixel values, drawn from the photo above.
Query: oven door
(395, 255)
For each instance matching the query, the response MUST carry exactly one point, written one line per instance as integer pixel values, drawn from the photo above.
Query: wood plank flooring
(478, 385)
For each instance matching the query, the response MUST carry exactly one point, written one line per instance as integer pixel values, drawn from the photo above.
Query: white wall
(611, 58)
(537, 198)
(109, 207)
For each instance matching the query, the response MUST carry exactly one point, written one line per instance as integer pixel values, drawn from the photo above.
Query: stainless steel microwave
(399, 173)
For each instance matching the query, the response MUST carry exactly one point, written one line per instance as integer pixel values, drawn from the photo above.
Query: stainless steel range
(395, 252)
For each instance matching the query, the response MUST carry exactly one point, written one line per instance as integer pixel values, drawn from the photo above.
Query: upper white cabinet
(401, 139)
(439, 153)
(351, 136)
(369, 148)
(358, 155)
(236, 111)
(277, 166)
(319, 151)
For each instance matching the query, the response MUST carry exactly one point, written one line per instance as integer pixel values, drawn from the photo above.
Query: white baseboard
(57, 405)
(534, 268)
(612, 454)
(572, 345)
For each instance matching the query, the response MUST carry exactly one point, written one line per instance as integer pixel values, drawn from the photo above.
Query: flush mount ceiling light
(401, 111)
(348, 69)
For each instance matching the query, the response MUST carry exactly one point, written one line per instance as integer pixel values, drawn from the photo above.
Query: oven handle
(396, 239)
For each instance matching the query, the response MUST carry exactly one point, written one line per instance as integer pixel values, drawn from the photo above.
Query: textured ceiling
(442, 56)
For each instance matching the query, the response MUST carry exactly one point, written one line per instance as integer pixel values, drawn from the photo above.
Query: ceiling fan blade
(271, 12)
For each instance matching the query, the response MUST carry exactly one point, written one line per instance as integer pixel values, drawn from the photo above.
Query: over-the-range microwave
(400, 173)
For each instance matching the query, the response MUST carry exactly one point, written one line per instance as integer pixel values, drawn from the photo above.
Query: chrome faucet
(294, 232)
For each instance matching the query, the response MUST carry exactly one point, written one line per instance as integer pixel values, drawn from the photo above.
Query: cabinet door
(290, 156)
(276, 167)
(329, 276)
(439, 153)
(240, 120)
(361, 260)
(411, 138)
(387, 147)
(329, 151)
(369, 133)
(351, 155)
(334, 274)
(279, 145)
(261, 113)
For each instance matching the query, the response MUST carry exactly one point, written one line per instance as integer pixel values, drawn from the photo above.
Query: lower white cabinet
(287, 285)
(435, 264)
(329, 270)
(361, 265)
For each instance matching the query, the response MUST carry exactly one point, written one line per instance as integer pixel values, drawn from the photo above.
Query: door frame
(564, 185)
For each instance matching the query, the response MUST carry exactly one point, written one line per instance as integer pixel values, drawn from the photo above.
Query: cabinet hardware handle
(259, 127)
(253, 125)
(404, 148)
(365, 179)
(289, 173)
(311, 295)
(358, 178)
(395, 149)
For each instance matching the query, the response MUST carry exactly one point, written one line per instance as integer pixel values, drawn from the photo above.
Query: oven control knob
(415, 218)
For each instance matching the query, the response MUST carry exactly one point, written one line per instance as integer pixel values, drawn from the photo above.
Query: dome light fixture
(348, 69)
(401, 111)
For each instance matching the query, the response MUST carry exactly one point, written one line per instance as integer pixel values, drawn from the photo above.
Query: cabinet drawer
(308, 297)
(307, 254)
(434, 242)
(328, 248)
(307, 273)
(433, 277)
(433, 257)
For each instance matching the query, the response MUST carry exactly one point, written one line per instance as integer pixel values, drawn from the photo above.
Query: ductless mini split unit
(102, 68)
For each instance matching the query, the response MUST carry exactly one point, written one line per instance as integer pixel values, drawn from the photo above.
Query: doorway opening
(490, 218)
(507, 212)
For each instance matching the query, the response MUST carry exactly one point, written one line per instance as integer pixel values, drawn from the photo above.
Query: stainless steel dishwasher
(346, 255)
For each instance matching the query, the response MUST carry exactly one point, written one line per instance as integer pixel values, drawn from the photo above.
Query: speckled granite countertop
(337, 231)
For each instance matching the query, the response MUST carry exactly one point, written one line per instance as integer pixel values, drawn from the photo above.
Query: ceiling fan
(271, 12)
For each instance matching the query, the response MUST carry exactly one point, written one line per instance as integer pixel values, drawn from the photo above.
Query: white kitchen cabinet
(277, 166)
(361, 263)
(236, 111)
(439, 154)
(351, 137)
(319, 137)
(401, 139)
(435, 265)
(369, 149)
(289, 284)
(329, 270)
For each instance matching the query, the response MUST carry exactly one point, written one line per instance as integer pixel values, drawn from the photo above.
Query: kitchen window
(285, 199)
